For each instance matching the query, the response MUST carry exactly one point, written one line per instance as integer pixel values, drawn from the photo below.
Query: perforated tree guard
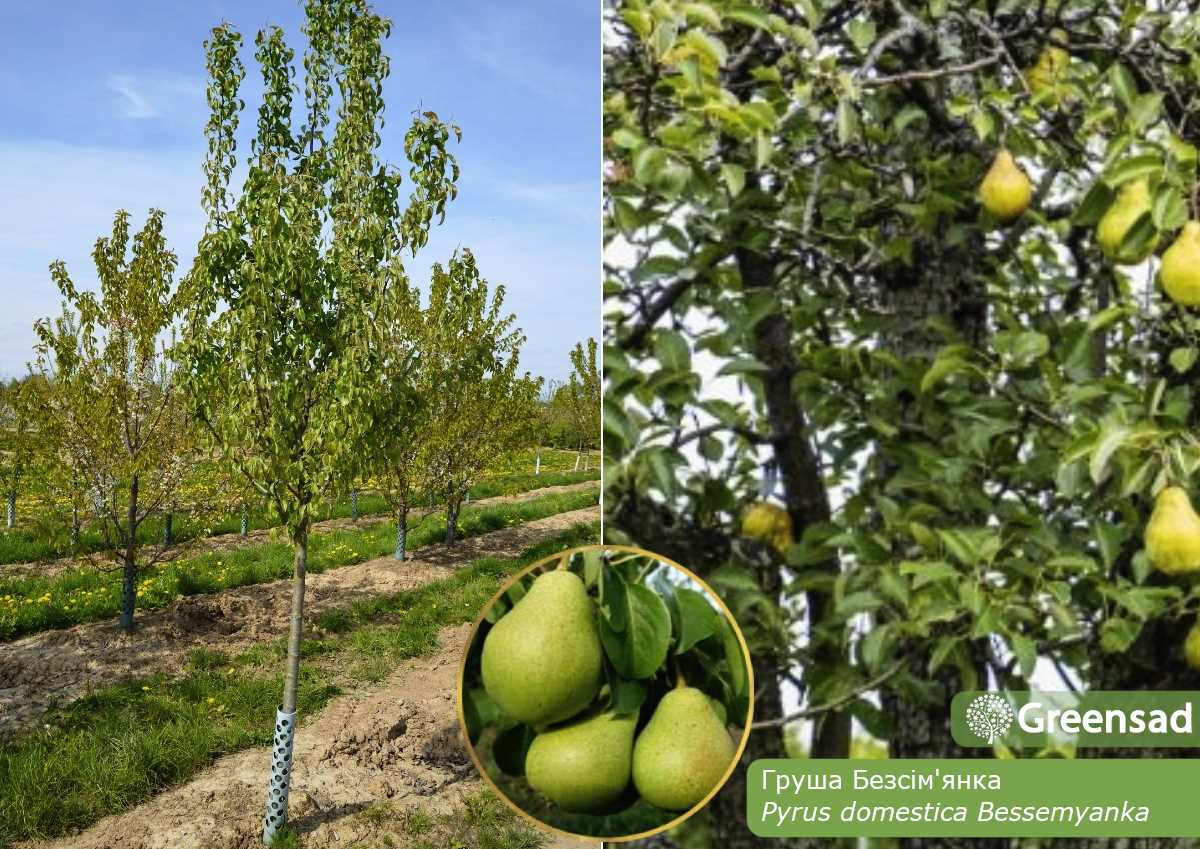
(354, 505)
(245, 529)
(401, 540)
(281, 774)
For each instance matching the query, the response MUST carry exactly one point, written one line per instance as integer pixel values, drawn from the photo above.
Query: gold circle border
(571, 552)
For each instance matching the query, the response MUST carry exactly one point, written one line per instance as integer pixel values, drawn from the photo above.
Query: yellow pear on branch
(1191, 647)
(1132, 202)
(1005, 191)
(769, 523)
(1173, 533)
(1047, 77)
(1180, 269)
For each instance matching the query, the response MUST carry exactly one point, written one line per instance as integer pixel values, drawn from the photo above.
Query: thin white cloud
(155, 95)
(133, 103)
(510, 48)
(578, 201)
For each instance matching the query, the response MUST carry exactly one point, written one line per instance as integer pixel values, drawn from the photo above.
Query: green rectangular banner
(1101, 718)
(1049, 797)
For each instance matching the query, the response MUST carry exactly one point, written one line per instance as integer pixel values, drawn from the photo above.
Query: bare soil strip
(228, 542)
(55, 667)
(399, 743)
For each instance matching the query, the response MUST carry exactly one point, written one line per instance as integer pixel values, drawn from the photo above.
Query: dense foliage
(967, 421)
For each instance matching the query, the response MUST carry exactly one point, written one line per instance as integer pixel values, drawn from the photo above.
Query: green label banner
(1049, 797)
(1106, 718)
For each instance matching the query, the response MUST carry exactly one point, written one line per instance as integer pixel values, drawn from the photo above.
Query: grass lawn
(42, 538)
(109, 751)
(29, 604)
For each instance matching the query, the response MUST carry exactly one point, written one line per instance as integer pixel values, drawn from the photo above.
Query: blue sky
(103, 108)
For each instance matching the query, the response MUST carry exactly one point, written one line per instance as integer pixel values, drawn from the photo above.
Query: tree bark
(452, 522)
(129, 560)
(401, 532)
(300, 546)
(804, 493)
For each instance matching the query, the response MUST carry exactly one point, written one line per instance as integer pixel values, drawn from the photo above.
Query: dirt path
(398, 745)
(227, 542)
(60, 666)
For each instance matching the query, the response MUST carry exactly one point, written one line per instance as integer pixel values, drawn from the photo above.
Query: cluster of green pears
(1172, 541)
(542, 664)
(1005, 193)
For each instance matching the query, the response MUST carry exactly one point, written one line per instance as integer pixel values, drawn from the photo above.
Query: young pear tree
(582, 396)
(110, 402)
(281, 347)
(18, 440)
(482, 408)
(397, 446)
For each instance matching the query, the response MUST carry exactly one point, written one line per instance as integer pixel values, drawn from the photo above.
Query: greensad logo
(989, 717)
(1041, 720)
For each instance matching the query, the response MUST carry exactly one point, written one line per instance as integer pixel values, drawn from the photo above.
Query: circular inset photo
(606, 692)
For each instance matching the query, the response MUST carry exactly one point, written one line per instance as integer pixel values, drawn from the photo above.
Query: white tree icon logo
(989, 716)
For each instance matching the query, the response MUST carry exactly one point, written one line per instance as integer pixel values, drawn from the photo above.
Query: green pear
(541, 662)
(1180, 269)
(1047, 78)
(1132, 201)
(584, 765)
(1173, 533)
(1005, 190)
(683, 751)
(1191, 647)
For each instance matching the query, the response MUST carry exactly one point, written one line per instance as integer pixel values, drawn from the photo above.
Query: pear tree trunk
(285, 729)
(401, 531)
(452, 522)
(129, 560)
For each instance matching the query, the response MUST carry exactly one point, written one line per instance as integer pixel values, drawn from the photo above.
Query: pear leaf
(638, 651)
(698, 619)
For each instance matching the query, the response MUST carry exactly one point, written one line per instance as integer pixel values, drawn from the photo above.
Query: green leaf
(1182, 359)
(1111, 438)
(1093, 205)
(1117, 634)
(641, 648)
(1145, 110)
(1123, 84)
(847, 122)
(1170, 209)
(671, 349)
(698, 619)
(734, 176)
(1134, 168)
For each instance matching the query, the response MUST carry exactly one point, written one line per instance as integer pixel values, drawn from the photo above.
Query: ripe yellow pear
(1191, 647)
(1005, 190)
(541, 662)
(1048, 75)
(682, 752)
(1180, 269)
(1132, 201)
(1173, 533)
(769, 523)
(585, 765)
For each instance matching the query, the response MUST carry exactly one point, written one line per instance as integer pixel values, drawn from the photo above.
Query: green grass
(481, 821)
(36, 539)
(107, 752)
(30, 604)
